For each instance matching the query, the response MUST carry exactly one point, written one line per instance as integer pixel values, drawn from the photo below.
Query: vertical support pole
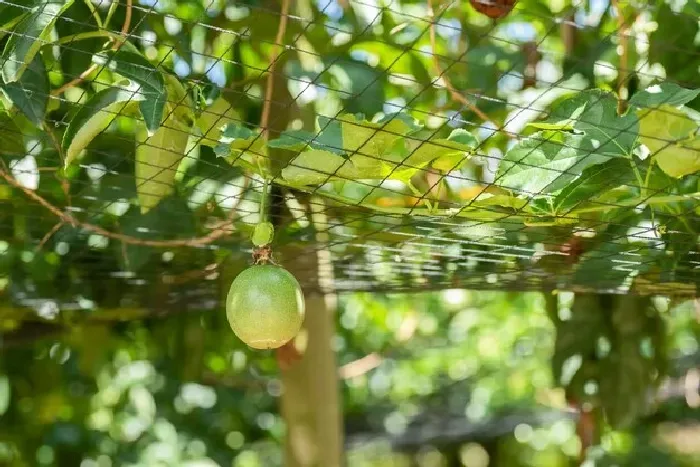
(311, 404)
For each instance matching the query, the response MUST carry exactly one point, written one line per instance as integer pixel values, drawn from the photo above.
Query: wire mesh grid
(149, 132)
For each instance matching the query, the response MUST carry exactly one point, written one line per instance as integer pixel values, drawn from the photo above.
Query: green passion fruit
(265, 306)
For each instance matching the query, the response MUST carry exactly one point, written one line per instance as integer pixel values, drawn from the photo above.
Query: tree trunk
(310, 400)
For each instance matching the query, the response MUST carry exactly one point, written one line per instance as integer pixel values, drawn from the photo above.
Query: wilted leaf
(214, 118)
(157, 160)
(97, 114)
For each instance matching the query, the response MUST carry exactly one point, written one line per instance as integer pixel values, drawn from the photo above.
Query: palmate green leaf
(157, 160)
(134, 66)
(371, 144)
(664, 94)
(672, 138)
(545, 162)
(443, 154)
(243, 147)
(97, 114)
(316, 167)
(31, 93)
(370, 151)
(594, 113)
(295, 140)
(29, 35)
(594, 181)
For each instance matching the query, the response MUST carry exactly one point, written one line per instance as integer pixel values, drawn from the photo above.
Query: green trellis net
(420, 145)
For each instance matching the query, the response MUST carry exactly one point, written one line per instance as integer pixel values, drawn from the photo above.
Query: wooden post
(310, 402)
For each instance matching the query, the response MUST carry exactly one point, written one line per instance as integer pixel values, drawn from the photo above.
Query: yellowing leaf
(316, 167)
(157, 160)
(214, 119)
(671, 136)
(370, 143)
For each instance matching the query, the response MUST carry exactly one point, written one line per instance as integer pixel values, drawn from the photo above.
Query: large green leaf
(134, 66)
(443, 154)
(672, 138)
(594, 181)
(30, 34)
(243, 147)
(31, 93)
(157, 160)
(97, 114)
(664, 93)
(371, 144)
(316, 167)
(594, 113)
(545, 162)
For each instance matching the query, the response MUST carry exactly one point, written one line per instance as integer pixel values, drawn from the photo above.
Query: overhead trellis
(419, 143)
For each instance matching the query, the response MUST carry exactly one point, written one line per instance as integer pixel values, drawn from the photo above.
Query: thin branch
(49, 234)
(623, 71)
(360, 366)
(220, 230)
(448, 84)
(74, 82)
(281, 29)
(127, 20)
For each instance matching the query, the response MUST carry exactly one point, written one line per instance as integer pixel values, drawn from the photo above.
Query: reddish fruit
(494, 9)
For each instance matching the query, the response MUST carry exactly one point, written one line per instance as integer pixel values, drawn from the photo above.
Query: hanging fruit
(494, 9)
(265, 304)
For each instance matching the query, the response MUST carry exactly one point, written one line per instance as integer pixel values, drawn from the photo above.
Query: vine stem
(219, 231)
(279, 39)
(441, 74)
(263, 201)
(623, 69)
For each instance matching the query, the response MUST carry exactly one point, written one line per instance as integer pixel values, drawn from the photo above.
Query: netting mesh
(413, 145)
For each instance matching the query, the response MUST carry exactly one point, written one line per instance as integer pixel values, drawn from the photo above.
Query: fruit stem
(263, 202)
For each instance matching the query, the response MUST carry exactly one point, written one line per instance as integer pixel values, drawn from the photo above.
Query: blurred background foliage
(106, 359)
(433, 379)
